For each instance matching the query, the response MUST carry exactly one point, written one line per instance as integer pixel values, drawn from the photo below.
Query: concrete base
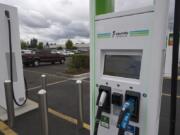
(29, 106)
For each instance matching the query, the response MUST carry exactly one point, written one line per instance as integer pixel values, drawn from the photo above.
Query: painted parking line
(6, 130)
(169, 78)
(169, 95)
(53, 75)
(67, 118)
(49, 84)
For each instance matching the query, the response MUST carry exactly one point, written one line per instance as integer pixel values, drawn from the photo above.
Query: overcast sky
(53, 20)
(57, 20)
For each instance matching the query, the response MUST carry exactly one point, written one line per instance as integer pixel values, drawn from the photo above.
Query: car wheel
(62, 61)
(26, 65)
(36, 63)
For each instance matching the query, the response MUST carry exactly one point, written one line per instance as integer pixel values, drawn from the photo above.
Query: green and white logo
(124, 34)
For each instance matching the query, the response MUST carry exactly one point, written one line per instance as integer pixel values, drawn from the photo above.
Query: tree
(69, 44)
(59, 48)
(33, 43)
(23, 45)
(40, 45)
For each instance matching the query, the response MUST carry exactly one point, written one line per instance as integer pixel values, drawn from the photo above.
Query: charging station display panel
(127, 66)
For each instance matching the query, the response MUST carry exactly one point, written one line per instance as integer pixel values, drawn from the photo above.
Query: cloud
(52, 20)
(33, 19)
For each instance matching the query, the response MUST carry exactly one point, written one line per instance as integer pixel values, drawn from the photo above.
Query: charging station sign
(105, 121)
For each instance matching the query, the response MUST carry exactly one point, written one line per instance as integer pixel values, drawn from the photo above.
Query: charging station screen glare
(127, 66)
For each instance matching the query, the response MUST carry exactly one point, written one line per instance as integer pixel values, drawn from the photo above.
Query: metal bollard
(43, 111)
(9, 103)
(43, 81)
(80, 102)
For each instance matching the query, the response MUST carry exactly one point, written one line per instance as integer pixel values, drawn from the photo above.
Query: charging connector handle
(101, 104)
(125, 114)
(102, 99)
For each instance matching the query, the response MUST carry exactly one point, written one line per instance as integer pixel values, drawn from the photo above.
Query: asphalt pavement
(63, 102)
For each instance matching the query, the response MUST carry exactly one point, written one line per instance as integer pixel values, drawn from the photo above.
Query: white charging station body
(19, 86)
(128, 54)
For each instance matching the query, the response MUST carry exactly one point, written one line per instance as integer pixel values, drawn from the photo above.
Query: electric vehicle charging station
(127, 65)
(10, 33)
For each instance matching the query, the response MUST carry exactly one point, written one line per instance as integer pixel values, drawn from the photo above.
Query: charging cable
(125, 116)
(101, 104)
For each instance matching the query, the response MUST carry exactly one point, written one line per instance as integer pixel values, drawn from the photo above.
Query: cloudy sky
(57, 20)
(53, 20)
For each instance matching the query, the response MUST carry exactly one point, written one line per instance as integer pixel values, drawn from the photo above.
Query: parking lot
(63, 103)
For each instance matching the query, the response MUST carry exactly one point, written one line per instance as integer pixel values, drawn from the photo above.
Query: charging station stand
(18, 77)
(127, 61)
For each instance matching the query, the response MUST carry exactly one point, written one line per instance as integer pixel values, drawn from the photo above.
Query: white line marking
(169, 95)
(169, 78)
(45, 73)
(50, 84)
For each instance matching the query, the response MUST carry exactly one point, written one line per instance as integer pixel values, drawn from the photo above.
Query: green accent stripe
(139, 33)
(104, 35)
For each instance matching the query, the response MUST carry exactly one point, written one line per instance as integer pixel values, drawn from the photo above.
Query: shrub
(79, 64)
(80, 61)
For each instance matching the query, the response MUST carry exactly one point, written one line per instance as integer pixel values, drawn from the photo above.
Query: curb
(84, 75)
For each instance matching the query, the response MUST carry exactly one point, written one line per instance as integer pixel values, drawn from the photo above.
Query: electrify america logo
(116, 34)
(124, 34)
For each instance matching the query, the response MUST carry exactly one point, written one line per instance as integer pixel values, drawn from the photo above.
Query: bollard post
(80, 102)
(9, 103)
(43, 111)
(43, 81)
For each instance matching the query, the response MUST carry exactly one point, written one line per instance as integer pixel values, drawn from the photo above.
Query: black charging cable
(7, 14)
(101, 104)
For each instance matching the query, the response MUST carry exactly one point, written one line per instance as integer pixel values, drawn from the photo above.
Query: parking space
(63, 97)
(63, 102)
(57, 126)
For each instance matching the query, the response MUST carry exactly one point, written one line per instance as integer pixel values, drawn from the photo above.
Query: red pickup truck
(37, 57)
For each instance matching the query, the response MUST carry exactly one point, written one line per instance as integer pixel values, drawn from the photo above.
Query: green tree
(69, 44)
(59, 48)
(23, 45)
(40, 45)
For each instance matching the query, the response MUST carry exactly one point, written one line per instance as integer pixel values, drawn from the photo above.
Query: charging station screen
(127, 66)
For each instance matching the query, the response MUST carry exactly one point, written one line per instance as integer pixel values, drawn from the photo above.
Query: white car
(27, 52)
(66, 53)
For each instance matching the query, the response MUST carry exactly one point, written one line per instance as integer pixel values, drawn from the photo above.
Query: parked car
(42, 56)
(26, 51)
(66, 53)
